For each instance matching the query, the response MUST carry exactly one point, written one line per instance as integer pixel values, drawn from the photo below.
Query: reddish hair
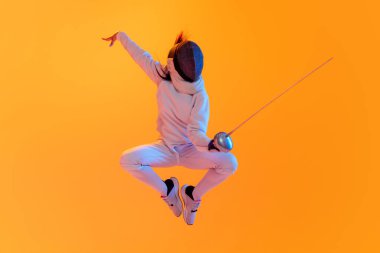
(181, 37)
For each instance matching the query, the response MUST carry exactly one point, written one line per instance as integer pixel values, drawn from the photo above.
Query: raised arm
(141, 57)
(199, 117)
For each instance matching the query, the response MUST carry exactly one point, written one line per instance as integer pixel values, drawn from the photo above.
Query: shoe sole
(183, 195)
(176, 184)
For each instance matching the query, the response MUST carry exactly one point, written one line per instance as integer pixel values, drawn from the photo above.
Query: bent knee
(229, 164)
(129, 161)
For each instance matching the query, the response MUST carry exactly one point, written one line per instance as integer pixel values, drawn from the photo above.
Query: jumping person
(182, 123)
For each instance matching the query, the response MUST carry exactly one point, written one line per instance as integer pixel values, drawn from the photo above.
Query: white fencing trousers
(139, 160)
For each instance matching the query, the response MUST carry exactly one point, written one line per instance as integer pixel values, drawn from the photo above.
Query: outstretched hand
(113, 38)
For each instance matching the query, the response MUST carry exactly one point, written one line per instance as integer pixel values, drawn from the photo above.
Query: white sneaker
(173, 200)
(191, 206)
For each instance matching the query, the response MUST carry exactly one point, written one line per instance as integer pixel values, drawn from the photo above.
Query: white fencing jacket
(183, 107)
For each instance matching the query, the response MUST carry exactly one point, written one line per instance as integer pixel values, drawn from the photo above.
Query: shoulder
(201, 101)
(201, 96)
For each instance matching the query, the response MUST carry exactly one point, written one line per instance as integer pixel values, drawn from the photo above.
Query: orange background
(308, 172)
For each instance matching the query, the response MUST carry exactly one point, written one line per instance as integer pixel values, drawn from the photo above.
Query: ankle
(169, 185)
(196, 196)
(191, 192)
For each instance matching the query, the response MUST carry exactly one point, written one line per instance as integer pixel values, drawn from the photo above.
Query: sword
(223, 140)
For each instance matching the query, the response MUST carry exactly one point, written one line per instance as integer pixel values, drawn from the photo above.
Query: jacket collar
(180, 84)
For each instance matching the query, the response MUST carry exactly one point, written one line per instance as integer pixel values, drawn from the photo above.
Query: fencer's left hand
(211, 146)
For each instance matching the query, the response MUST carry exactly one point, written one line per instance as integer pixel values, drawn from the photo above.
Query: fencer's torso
(174, 109)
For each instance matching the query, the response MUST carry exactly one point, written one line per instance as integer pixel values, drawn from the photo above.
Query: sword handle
(223, 142)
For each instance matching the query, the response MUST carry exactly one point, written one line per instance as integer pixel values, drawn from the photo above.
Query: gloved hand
(211, 146)
(221, 142)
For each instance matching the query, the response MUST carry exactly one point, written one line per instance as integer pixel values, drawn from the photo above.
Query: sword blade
(282, 93)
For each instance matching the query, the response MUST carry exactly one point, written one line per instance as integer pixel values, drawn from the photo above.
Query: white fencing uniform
(182, 123)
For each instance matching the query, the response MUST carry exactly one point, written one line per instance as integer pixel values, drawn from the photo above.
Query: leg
(220, 166)
(138, 161)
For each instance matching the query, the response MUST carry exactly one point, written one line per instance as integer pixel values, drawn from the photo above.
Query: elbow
(199, 139)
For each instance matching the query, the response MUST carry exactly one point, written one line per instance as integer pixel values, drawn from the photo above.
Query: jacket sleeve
(199, 117)
(142, 58)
